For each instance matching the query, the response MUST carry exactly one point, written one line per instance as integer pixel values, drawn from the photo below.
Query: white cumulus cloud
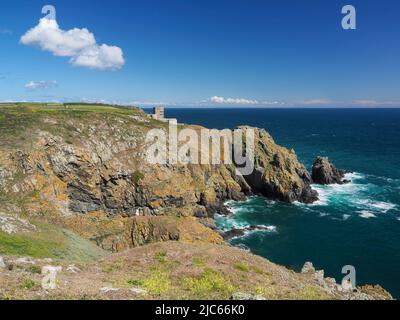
(239, 101)
(78, 44)
(35, 85)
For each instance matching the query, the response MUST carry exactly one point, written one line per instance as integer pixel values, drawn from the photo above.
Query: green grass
(135, 282)
(35, 270)
(158, 283)
(198, 262)
(27, 245)
(241, 267)
(19, 123)
(28, 284)
(161, 256)
(50, 242)
(258, 270)
(210, 283)
(137, 176)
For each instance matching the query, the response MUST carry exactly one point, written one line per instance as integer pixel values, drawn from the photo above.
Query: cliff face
(75, 176)
(87, 170)
(278, 174)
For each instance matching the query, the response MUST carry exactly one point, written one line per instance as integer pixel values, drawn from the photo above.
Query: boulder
(108, 290)
(245, 296)
(138, 291)
(49, 281)
(308, 268)
(347, 285)
(325, 173)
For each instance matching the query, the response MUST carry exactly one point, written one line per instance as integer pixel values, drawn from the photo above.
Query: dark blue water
(356, 224)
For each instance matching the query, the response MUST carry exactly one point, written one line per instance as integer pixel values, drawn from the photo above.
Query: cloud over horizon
(239, 101)
(36, 85)
(78, 44)
(218, 100)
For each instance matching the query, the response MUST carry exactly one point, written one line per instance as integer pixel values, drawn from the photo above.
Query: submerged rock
(325, 173)
(235, 233)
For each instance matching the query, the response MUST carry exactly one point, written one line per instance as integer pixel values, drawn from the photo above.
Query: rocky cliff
(72, 176)
(86, 170)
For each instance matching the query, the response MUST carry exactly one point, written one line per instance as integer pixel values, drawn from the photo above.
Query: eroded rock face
(146, 230)
(325, 173)
(96, 167)
(278, 174)
(345, 290)
(12, 224)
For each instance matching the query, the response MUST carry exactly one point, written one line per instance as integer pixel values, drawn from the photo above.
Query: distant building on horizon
(159, 114)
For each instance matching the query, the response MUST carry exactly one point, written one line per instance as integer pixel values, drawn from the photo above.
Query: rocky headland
(75, 188)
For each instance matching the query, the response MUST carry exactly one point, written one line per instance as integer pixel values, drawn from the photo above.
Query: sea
(356, 224)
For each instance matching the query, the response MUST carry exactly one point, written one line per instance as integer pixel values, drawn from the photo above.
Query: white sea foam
(354, 176)
(259, 228)
(229, 223)
(262, 229)
(336, 191)
(383, 206)
(367, 214)
(346, 217)
(243, 247)
(376, 206)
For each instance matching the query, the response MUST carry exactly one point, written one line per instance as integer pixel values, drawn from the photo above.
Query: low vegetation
(50, 242)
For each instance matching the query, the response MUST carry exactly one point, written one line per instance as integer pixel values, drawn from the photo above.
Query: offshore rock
(325, 173)
(235, 233)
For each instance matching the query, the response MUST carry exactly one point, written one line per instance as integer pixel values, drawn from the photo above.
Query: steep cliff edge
(75, 175)
(85, 168)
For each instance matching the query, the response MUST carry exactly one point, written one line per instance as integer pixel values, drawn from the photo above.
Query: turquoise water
(356, 224)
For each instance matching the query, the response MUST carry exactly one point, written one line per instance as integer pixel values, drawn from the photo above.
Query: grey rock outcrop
(325, 173)
(278, 175)
(241, 296)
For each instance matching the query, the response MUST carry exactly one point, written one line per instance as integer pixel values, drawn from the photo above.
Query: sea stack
(325, 173)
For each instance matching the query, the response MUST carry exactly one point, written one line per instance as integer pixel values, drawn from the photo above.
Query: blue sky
(203, 52)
